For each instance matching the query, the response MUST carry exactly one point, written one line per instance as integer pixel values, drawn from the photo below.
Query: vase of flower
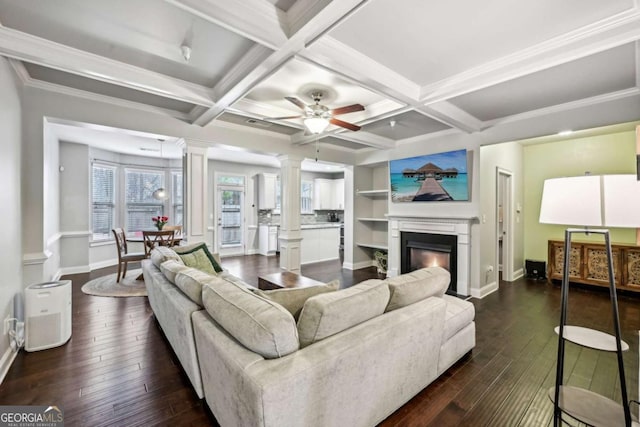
(160, 221)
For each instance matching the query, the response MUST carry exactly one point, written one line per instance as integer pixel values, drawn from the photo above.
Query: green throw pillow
(199, 258)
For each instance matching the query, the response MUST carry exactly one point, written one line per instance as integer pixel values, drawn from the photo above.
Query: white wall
(507, 156)
(10, 200)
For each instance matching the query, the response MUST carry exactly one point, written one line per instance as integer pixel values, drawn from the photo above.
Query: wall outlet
(489, 268)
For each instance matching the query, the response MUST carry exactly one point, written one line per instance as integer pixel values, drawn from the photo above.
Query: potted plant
(160, 221)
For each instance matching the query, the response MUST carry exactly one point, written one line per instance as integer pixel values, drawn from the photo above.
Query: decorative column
(290, 233)
(195, 191)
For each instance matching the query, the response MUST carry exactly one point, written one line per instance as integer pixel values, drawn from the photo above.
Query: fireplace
(458, 227)
(420, 250)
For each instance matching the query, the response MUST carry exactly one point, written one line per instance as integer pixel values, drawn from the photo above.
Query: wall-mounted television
(440, 177)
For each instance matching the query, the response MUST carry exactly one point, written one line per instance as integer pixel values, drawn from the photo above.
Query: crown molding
(25, 47)
(452, 115)
(91, 96)
(586, 102)
(256, 20)
(605, 34)
(360, 137)
(20, 70)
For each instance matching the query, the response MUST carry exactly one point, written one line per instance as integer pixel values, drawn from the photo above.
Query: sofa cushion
(161, 254)
(190, 281)
(170, 268)
(459, 314)
(329, 313)
(198, 256)
(417, 285)
(259, 324)
(294, 298)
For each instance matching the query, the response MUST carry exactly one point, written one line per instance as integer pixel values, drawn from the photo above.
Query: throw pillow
(417, 285)
(259, 324)
(294, 298)
(190, 282)
(199, 257)
(161, 254)
(171, 268)
(330, 313)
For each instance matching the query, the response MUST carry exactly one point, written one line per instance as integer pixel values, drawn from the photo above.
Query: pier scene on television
(429, 178)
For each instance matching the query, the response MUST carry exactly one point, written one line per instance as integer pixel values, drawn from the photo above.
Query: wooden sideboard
(588, 264)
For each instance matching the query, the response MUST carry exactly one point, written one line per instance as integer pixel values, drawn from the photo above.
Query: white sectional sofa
(351, 357)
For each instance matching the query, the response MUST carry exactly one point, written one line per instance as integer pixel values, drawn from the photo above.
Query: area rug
(106, 286)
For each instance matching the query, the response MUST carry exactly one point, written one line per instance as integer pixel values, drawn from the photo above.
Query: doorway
(504, 223)
(230, 191)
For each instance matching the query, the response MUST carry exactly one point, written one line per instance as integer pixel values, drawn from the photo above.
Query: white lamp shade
(316, 124)
(572, 201)
(607, 200)
(621, 201)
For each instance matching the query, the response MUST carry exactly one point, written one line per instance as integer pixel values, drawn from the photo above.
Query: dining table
(139, 238)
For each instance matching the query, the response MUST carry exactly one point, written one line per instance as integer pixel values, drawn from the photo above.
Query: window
(176, 197)
(139, 200)
(306, 197)
(103, 200)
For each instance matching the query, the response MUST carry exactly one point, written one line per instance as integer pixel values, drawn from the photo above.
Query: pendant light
(160, 193)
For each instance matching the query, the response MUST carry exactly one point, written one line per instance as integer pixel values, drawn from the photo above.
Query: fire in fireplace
(419, 250)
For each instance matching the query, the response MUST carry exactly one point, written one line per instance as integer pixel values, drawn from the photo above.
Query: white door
(230, 218)
(504, 223)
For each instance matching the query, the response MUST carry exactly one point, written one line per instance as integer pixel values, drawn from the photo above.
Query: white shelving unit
(371, 231)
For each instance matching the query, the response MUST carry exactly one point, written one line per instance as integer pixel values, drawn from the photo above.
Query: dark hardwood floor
(119, 370)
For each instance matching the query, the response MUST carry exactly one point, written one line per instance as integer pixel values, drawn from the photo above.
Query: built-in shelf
(373, 219)
(373, 193)
(382, 246)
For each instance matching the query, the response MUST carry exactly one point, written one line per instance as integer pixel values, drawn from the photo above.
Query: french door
(230, 219)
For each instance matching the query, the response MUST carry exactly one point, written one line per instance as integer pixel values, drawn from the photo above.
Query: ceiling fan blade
(284, 118)
(343, 124)
(347, 109)
(296, 101)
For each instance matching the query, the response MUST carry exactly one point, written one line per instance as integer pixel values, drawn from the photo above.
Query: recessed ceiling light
(565, 132)
(155, 150)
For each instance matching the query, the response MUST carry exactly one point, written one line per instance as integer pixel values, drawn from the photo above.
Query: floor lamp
(590, 201)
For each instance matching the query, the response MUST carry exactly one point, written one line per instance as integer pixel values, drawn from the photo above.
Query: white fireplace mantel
(459, 226)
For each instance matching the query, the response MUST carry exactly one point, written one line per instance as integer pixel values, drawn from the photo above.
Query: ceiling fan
(317, 116)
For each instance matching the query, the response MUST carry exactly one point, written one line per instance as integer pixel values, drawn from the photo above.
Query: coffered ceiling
(418, 67)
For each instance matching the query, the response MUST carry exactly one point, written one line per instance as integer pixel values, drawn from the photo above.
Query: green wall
(603, 154)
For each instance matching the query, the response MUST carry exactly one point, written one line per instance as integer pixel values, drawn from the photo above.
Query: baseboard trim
(75, 270)
(5, 363)
(102, 264)
(320, 260)
(358, 265)
(485, 290)
(518, 274)
(252, 252)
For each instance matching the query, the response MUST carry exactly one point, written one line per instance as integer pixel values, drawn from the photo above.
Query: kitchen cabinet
(338, 194)
(320, 242)
(267, 239)
(328, 194)
(267, 183)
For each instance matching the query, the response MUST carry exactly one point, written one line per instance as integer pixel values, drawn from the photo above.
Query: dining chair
(124, 257)
(177, 232)
(157, 238)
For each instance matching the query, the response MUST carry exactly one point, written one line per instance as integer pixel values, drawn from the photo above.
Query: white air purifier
(47, 315)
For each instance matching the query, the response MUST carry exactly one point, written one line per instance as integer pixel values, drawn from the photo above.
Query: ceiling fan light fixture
(316, 124)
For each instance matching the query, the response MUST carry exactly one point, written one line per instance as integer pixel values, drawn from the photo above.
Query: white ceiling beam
(360, 137)
(451, 115)
(257, 20)
(311, 26)
(25, 47)
(600, 36)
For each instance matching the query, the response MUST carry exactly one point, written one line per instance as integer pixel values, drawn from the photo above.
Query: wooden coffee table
(285, 279)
